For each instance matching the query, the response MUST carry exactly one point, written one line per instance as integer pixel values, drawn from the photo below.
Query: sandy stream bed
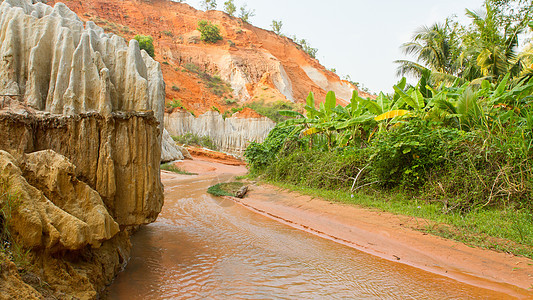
(383, 234)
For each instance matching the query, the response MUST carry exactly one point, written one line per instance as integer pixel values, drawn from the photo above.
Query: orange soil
(247, 113)
(176, 40)
(395, 238)
(213, 156)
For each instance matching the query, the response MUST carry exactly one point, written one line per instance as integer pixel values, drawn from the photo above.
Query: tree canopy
(486, 48)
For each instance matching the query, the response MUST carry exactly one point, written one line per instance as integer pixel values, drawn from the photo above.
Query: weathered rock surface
(118, 156)
(54, 211)
(61, 66)
(83, 131)
(11, 282)
(169, 149)
(231, 135)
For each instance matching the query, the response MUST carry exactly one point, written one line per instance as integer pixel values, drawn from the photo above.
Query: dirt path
(383, 234)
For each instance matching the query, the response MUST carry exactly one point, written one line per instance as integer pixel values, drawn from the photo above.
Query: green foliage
(229, 101)
(486, 48)
(404, 156)
(173, 168)
(271, 110)
(175, 88)
(276, 26)
(167, 33)
(215, 84)
(315, 168)
(209, 4)
(146, 43)
(209, 33)
(467, 146)
(245, 13)
(225, 189)
(192, 139)
(230, 8)
(175, 103)
(305, 46)
(8, 246)
(260, 155)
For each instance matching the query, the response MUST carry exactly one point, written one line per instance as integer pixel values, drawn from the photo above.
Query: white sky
(359, 38)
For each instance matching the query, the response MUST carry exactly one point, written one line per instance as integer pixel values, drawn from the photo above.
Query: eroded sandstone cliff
(81, 119)
(230, 135)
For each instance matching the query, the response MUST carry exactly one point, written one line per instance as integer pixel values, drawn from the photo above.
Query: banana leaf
(391, 114)
(312, 130)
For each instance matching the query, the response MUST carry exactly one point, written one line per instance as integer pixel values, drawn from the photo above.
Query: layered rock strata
(81, 117)
(230, 135)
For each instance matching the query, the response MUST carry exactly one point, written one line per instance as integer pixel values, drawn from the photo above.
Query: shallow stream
(204, 247)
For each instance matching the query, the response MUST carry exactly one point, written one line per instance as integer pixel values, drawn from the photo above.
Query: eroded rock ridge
(81, 119)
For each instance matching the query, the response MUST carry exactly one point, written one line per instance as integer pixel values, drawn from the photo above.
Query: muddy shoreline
(389, 236)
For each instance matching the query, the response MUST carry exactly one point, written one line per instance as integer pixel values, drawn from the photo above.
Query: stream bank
(204, 246)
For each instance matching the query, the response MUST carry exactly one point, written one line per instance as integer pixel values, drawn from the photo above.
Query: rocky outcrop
(230, 135)
(61, 66)
(82, 126)
(118, 156)
(169, 149)
(109, 97)
(54, 210)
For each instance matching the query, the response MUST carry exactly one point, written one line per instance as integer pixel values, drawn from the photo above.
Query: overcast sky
(359, 38)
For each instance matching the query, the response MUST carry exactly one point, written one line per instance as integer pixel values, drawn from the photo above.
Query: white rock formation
(169, 149)
(59, 65)
(105, 97)
(231, 135)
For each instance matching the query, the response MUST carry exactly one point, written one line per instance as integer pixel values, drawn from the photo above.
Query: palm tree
(436, 48)
(492, 43)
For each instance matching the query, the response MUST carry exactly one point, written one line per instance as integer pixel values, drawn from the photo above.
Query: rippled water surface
(205, 247)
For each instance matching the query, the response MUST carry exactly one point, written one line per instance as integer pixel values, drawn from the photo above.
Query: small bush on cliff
(210, 33)
(192, 139)
(146, 43)
(271, 110)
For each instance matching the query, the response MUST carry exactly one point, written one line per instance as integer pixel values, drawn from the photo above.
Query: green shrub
(403, 156)
(209, 33)
(260, 155)
(175, 103)
(173, 168)
(8, 246)
(271, 110)
(225, 189)
(193, 139)
(175, 88)
(230, 101)
(316, 168)
(146, 43)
